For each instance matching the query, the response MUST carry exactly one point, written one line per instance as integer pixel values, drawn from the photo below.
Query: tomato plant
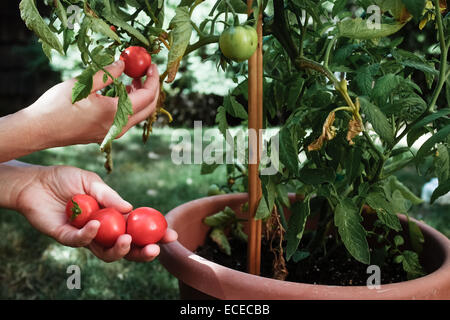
(146, 226)
(238, 43)
(79, 209)
(137, 60)
(112, 225)
(348, 90)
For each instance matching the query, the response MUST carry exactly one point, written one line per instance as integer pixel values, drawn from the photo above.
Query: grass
(34, 266)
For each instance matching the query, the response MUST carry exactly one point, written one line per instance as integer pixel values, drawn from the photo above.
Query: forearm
(14, 177)
(21, 133)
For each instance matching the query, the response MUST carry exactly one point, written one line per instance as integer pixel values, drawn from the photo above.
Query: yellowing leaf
(181, 35)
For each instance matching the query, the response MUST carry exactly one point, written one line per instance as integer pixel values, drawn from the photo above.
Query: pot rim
(175, 250)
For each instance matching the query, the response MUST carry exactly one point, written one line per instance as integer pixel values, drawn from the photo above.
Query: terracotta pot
(200, 278)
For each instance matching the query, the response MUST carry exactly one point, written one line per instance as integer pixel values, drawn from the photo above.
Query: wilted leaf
(328, 133)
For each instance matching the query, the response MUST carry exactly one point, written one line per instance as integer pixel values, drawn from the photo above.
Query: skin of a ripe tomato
(79, 209)
(238, 43)
(137, 61)
(146, 226)
(112, 225)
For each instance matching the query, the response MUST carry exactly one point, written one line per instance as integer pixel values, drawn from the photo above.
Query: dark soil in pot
(337, 269)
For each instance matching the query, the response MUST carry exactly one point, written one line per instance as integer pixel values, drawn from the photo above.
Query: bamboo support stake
(254, 126)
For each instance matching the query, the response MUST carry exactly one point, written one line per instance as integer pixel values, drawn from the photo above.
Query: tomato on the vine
(146, 226)
(238, 43)
(137, 61)
(112, 225)
(79, 208)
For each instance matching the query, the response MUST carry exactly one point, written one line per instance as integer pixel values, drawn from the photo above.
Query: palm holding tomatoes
(238, 43)
(146, 226)
(79, 209)
(112, 225)
(137, 61)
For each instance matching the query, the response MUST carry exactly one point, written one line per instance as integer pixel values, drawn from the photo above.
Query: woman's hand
(89, 120)
(53, 121)
(41, 194)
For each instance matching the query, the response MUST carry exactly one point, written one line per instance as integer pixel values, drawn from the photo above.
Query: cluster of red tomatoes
(144, 225)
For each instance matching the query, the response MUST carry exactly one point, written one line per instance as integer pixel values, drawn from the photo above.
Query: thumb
(105, 195)
(115, 69)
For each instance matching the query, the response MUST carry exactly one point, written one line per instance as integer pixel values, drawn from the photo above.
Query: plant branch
(443, 75)
(444, 53)
(330, 46)
(200, 43)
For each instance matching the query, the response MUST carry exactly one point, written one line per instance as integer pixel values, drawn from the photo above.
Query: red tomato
(137, 60)
(146, 226)
(79, 208)
(112, 225)
(113, 28)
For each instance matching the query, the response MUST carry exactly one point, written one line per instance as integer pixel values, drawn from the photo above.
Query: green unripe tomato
(238, 43)
(214, 190)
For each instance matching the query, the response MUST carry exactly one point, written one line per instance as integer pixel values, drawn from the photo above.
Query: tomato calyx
(76, 210)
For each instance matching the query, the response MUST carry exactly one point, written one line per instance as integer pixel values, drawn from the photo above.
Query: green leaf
(238, 232)
(269, 191)
(385, 210)
(33, 20)
(415, 236)
(442, 163)
(83, 39)
(208, 168)
(282, 195)
(218, 236)
(181, 35)
(262, 212)
(116, 17)
(100, 26)
(221, 120)
(295, 88)
(385, 85)
(378, 120)
(46, 49)
(411, 264)
(365, 78)
(339, 6)
(398, 240)
(441, 190)
(296, 226)
(300, 255)
(359, 29)
(234, 108)
(221, 219)
(238, 5)
(414, 135)
(439, 136)
(348, 220)
(288, 150)
(353, 164)
(82, 88)
(61, 13)
(317, 176)
(415, 7)
(406, 193)
(430, 118)
(124, 109)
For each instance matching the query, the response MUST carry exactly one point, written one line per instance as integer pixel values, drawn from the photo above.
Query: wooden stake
(254, 124)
